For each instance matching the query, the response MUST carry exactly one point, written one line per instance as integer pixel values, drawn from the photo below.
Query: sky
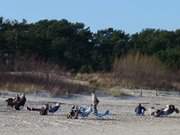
(130, 16)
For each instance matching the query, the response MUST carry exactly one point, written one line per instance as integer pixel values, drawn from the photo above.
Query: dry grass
(30, 82)
(131, 71)
(135, 71)
(34, 74)
(98, 80)
(117, 92)
(141, 71)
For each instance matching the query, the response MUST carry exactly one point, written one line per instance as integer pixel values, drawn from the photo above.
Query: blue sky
(128, 15)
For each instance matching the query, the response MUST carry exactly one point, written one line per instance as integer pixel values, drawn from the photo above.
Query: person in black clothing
(17, 102)
(73, 114)
(43, 110)
(169, 109)
(12, 101)
(46, 108)
(21, 102)
(140, 110)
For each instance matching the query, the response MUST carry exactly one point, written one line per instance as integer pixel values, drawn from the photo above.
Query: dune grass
(32, 82)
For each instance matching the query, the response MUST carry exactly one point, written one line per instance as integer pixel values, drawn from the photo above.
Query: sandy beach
(121, 121)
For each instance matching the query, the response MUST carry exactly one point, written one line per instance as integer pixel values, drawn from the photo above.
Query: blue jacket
(53, 109)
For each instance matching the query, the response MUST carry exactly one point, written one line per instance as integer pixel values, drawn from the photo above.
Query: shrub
(141, 70)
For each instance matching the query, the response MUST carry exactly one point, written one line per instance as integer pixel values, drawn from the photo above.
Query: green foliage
(171, 57)
(75, 47)
(150, 41)
(109, 43)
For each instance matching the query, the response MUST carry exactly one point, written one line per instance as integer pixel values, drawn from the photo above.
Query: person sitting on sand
(16, 102)
(20, 102)
(17, 98)
(45, 109)
(140, 110)
(73, 114)
(95, 101)
(12, 101)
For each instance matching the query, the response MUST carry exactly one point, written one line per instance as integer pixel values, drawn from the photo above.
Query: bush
(141, 71)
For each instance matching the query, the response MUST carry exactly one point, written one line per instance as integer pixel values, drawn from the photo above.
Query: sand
(122, 120)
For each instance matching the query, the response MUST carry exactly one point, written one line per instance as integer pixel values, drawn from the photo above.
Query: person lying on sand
(45, 109)
(95, 102)
(17, 102)
(85, 111)
(169, 109)
(140, 110)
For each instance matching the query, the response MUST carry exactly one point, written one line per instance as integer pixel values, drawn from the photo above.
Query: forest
(75, 48)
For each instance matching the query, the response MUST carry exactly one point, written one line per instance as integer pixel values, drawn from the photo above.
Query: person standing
(95, 101)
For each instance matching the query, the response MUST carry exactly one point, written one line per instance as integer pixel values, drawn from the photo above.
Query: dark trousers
(95, 109)
(33, 109)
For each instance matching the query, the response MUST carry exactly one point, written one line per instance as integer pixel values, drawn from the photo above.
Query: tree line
(76, 48)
